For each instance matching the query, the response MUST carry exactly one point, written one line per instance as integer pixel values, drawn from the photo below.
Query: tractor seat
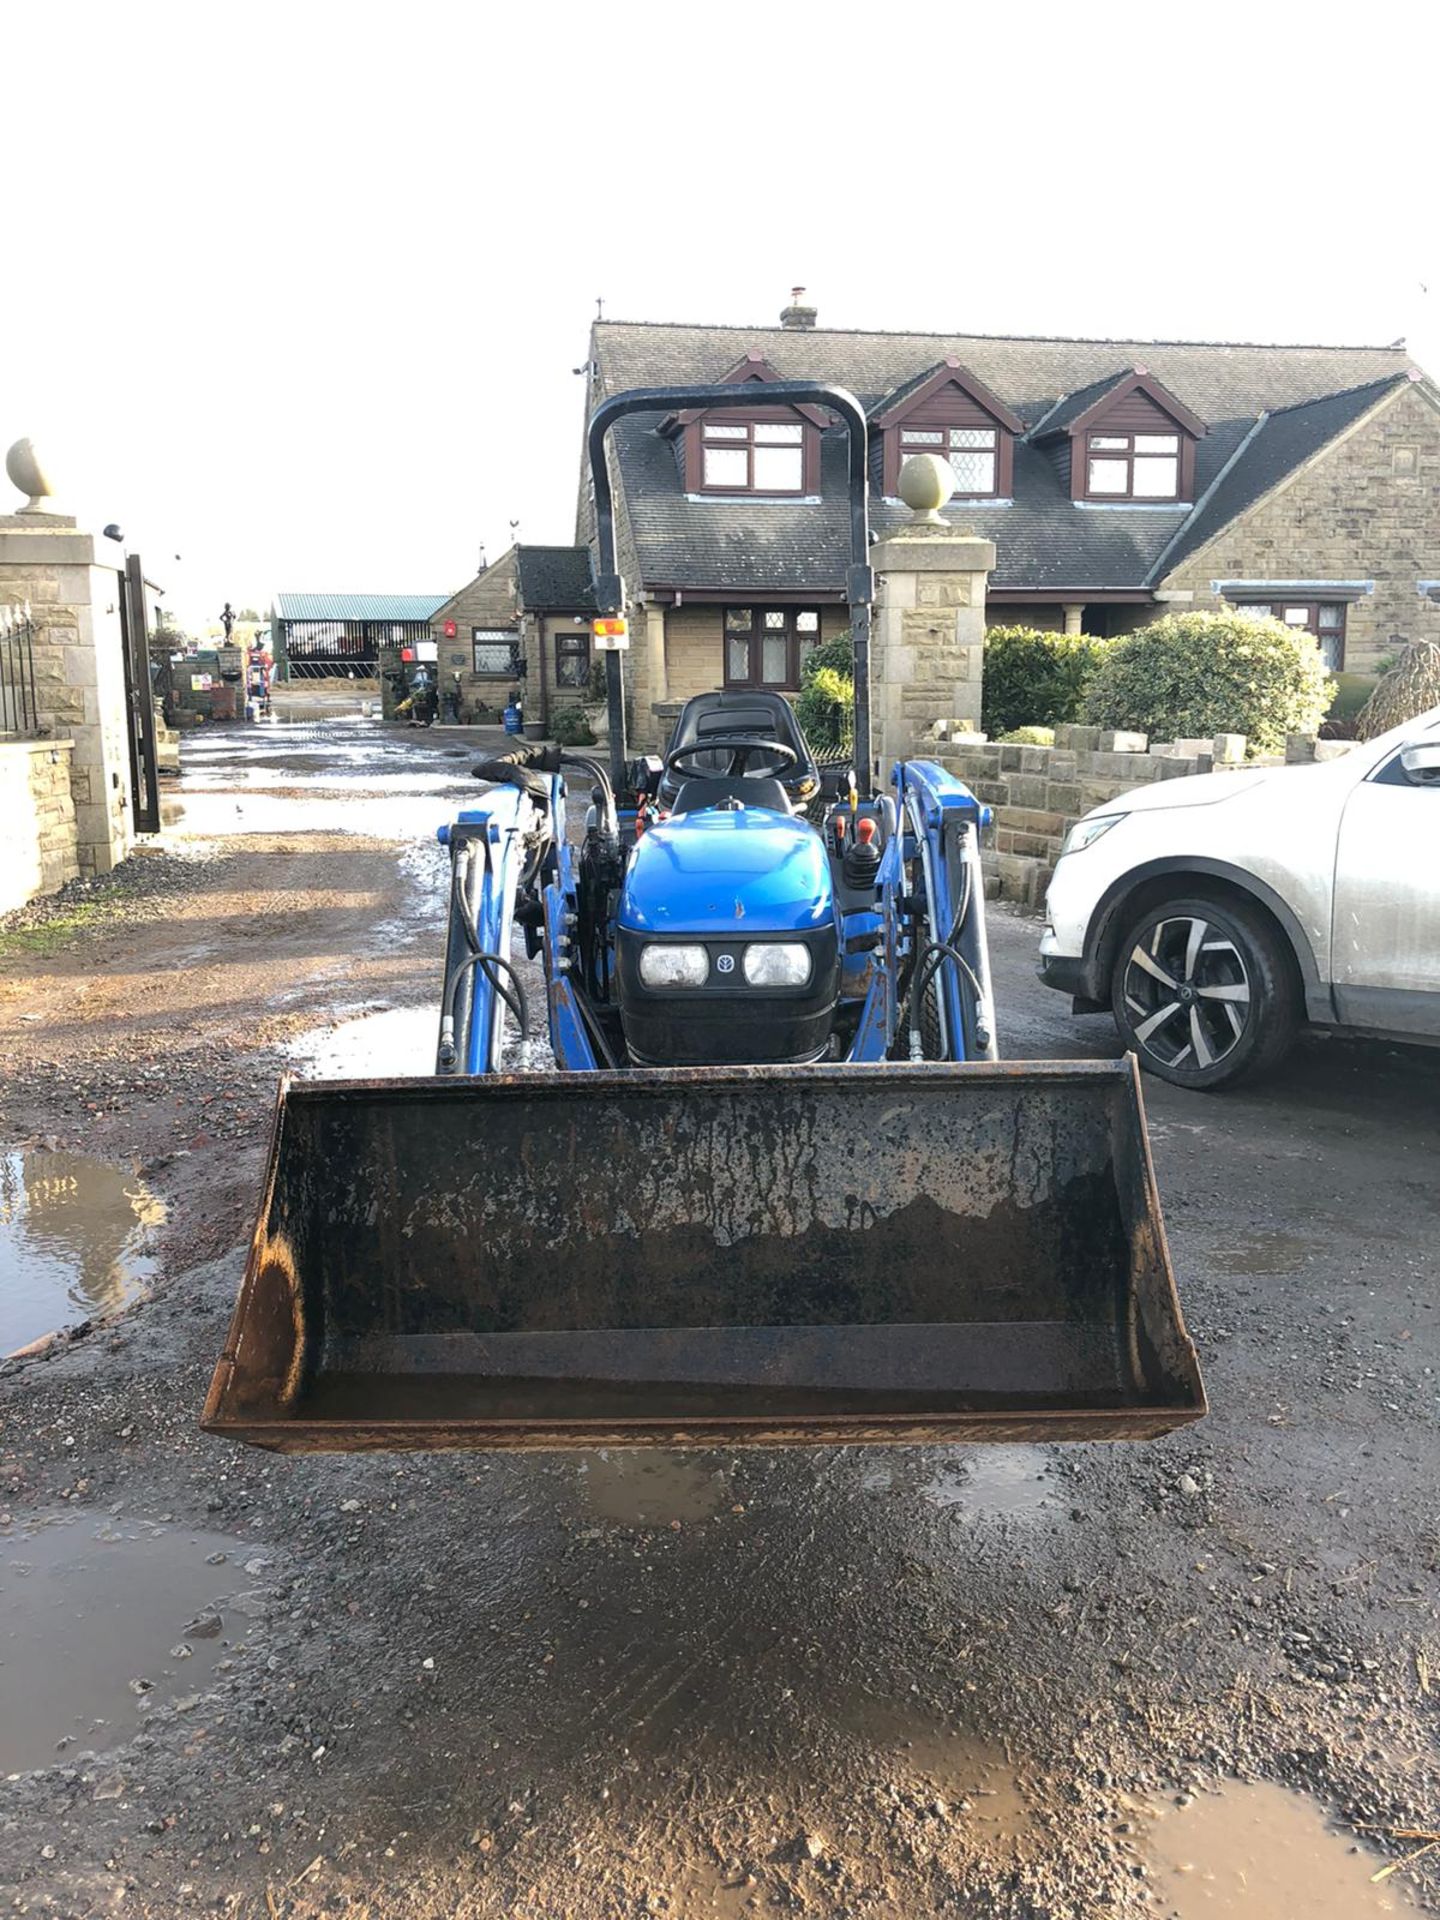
(695, 794)
(762, 715)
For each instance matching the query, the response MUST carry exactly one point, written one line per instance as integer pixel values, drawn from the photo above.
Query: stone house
(523, 621)
(1116, 480)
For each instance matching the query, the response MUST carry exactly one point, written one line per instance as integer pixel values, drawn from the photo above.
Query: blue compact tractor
(775, 1184)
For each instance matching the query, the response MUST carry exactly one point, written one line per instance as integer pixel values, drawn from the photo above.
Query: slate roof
(1044, 540)
(1278, 443)
(1074, 404)
(555, 577)
(358, 606)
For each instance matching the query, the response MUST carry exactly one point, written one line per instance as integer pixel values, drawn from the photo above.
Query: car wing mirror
(1421, 764)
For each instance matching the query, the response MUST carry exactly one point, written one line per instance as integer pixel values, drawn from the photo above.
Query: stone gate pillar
(72, 583)
(927, 648)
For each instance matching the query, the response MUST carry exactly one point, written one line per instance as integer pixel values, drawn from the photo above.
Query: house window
(572, 657)
(766, 646)
(1133, 466)
(971, 451)
(761, 456)
(1324, 618)
(496, 652)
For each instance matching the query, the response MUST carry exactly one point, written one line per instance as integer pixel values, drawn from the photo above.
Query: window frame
(729, 438)
(1336, 632)
(572, 643)
(1129, 456)
(496, 636)
(943, 452)
(797, 645)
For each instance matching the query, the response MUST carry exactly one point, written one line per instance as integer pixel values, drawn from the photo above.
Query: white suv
(1213, 915)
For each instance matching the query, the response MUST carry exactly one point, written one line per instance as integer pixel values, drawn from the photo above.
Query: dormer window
(769, 452)
(948, 412)
(971, 452)
(1123, 441)
(759, 456)
(1134, 466)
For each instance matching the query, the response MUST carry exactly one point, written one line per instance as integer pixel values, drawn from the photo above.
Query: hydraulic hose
(491, 964)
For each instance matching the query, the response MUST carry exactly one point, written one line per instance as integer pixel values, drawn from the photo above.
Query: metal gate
(139, 698)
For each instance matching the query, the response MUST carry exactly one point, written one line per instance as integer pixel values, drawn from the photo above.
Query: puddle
(650, 1489)
(378, 1046)
(217, 815)
(997, 1480)
(973, 1776)
(86, 1610)
(74, 1240)
(1258, 1852)
(1265, 1253)
(976, 1781)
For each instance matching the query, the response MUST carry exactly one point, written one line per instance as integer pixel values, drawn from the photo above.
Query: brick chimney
(795, 315)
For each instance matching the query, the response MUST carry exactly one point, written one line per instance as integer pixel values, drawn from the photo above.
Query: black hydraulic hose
(599, 777)
(944, 951)
(920, 981)
(458, 874)
(517, 1001)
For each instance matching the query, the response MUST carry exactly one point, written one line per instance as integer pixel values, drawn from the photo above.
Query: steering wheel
(742, 746)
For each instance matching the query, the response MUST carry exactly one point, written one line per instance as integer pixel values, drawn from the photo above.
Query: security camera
(112, 532)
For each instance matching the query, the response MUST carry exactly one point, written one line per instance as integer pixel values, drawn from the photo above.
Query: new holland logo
(726, 963)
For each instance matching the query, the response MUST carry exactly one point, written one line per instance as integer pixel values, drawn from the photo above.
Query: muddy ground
(1199, 1677)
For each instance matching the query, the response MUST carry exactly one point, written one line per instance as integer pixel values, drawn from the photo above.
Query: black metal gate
(139, 698)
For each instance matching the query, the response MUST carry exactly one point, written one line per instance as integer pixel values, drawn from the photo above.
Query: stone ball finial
(27, 472)
(926, 483)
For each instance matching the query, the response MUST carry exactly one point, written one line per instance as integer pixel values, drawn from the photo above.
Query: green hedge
(1193, 674)
(825, 704)
(1035, 679)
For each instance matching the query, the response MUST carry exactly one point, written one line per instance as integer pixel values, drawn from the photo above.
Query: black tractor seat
(696, 794)
(763, 716)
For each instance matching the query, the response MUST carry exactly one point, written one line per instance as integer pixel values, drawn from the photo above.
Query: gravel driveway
(1199, 1677)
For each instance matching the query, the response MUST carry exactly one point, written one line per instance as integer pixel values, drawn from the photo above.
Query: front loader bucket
(709, 1257)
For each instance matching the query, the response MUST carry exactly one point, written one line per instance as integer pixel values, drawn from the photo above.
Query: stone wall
(1038, 793)
(37, 820)
(1363, 509)
(73, 588)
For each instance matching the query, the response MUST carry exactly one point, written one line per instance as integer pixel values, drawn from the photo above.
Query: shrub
(1410, 688)
(1029, 737)
(1193, 674)
(570, 728)
(1034, 678)
(825, 704)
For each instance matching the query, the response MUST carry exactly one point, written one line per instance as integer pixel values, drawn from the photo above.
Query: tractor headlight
(777, 963)
(667, 966)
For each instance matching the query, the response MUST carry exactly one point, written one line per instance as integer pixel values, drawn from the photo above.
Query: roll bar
(860, 577)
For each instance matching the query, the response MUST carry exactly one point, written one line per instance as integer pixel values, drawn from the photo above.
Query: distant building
(339, 636)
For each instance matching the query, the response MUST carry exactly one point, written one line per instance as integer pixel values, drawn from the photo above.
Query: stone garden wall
(37, 820)
(1038, 793)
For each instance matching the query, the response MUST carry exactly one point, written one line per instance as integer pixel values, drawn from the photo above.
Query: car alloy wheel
(1187, 993)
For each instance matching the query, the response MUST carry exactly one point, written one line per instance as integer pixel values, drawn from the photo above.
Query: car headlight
(1085, 833)
(777, 963)
(667, 966)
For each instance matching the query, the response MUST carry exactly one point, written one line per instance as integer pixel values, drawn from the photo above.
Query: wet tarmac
(75, 1241)
(103, 1624)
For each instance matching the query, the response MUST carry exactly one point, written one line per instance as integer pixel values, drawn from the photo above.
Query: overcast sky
(294, 292)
